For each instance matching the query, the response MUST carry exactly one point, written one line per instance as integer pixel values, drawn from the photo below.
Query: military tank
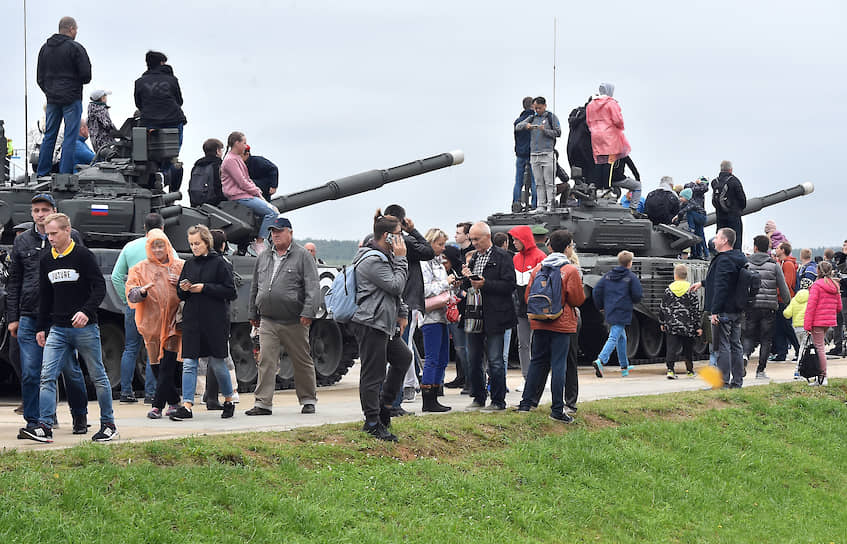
(601, 228)
(107, 203)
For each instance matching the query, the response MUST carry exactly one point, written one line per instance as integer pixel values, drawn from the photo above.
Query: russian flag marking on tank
(99, 209)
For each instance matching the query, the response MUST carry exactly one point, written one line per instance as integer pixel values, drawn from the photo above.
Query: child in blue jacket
(616, 293)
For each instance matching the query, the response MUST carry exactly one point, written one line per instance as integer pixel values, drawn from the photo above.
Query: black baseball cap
(280, 223)
(44, 197)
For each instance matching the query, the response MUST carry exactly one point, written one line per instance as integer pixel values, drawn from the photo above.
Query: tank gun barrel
(365, 181)
(759, 202)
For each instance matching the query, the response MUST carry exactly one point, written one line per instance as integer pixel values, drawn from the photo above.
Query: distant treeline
(334, 252)
(817, 250)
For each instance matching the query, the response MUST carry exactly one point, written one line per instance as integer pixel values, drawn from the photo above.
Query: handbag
(178, 317)
(453, 315)
(473, 311)
(438, 301)
(809, 366)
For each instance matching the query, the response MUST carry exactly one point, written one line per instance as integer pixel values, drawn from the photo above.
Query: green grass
(764, 464)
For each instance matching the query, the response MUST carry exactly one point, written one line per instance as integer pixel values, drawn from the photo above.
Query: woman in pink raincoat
(603, 115)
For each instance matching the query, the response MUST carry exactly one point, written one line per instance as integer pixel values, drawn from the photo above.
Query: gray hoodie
(379, 290)
(542, 139)
(773, 280)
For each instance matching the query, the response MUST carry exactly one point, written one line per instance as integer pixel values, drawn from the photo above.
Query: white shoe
(235, 397)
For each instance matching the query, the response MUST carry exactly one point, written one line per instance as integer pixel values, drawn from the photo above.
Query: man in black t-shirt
(71, 287)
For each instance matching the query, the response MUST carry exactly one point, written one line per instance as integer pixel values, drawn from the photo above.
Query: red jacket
(526, 259)
(573, 295)
(824, 304)
(789, 270)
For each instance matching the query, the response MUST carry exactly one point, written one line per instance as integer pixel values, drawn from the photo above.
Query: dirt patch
(596, 421)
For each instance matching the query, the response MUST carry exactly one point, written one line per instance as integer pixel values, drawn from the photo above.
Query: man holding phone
(544, 128)
(492, 273)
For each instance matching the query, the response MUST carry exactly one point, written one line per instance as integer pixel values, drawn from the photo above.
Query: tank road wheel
(326, 279)
(285, 372)
(241, 350)
(633, 340)
(593, 332)
(112, 348)
(327, 348)
(701, 349)
(652, 337)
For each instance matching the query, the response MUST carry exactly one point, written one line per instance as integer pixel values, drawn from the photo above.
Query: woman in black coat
(206, 286)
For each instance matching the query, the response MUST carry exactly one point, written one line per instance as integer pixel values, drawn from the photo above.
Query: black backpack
(747, 287)
(721, 196)
(201, 186)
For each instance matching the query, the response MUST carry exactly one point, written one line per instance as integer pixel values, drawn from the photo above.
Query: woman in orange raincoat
(151, 291)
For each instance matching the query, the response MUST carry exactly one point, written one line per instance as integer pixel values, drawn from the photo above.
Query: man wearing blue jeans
(616, 293)
(133, 253)
(63, 68)
(492, 273)
(522, 142)
(71, 287)
(22, 304)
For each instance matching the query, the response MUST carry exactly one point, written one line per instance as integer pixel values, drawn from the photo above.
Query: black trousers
(680, 348)
(571, 377)
(758, 329)
(375, 351)
(165, 373)
(733, 222)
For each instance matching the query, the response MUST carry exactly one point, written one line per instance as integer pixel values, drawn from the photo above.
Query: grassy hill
(762, 464)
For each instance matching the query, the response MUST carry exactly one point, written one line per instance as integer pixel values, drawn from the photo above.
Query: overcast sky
(328, 89)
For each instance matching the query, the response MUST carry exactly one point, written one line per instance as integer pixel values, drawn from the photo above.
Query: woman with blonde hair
(151, 292)
(435, 334)
(206, 286)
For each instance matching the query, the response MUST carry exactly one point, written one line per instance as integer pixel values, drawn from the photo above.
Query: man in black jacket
(522, 138)
(724, 312)
(263, 172)
(418, 249)
(159, 99)
(729, 201)
(22, 300)
(492, 273)
(63, 68)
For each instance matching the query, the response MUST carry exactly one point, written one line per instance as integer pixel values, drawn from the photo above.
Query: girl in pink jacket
(821, 311)
(605, 121)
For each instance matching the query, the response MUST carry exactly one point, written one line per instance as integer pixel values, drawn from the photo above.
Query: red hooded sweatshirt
(526, 259)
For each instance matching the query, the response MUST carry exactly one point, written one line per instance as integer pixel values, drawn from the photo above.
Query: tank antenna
(26, 105)
(555, 24)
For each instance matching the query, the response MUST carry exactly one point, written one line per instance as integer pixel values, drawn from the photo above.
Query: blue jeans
(726, 336)
(460, 346)
(617, 339)
(520, 166)
(487, 349)
(71, 113)
(189, 377)
(261, 208)
(61, 342)
(132, 345)
(437, 352)
(549, 349)
(31, 356)
(696, 221)
(507, 343)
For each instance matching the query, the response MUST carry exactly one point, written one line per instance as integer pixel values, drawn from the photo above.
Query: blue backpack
(341, 297)
(545, 294)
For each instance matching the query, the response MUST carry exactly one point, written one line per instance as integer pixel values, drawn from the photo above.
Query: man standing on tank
(544, 128)
(522, 143)
(22, 300)
(63, 68)
(729, 201)
(159, 99)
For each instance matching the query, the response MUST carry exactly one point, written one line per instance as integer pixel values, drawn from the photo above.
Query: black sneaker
(378, 431)
(308, 409)
(107, 433)
(214, 405)
(181, 413)
(148, 399)
(80, 423)
(385, 416)
(564, 418)
(128, 399)
(398, 411)
(258, 411)
(39, 433)
(521, 408)
(229, 410)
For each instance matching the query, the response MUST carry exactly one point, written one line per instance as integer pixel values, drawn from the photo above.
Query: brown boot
(430, 399)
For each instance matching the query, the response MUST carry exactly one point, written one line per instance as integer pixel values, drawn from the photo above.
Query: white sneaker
(235, 397)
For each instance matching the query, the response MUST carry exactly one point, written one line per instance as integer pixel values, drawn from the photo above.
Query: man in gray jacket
(545, 128)
(759, 319)
(284, 299)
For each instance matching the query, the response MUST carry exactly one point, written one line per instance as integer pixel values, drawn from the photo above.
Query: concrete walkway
(340, 404)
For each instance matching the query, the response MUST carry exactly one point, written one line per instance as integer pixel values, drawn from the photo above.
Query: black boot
(440, 390)
(80, 423)
(430, 399)
(385, 416)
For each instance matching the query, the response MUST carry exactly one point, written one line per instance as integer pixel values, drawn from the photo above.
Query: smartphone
(390, 239)
(476, 277)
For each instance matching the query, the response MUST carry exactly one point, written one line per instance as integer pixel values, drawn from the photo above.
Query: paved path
(340, 404)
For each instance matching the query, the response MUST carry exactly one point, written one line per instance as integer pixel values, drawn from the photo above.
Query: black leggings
(165, 373)
(679, 346)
